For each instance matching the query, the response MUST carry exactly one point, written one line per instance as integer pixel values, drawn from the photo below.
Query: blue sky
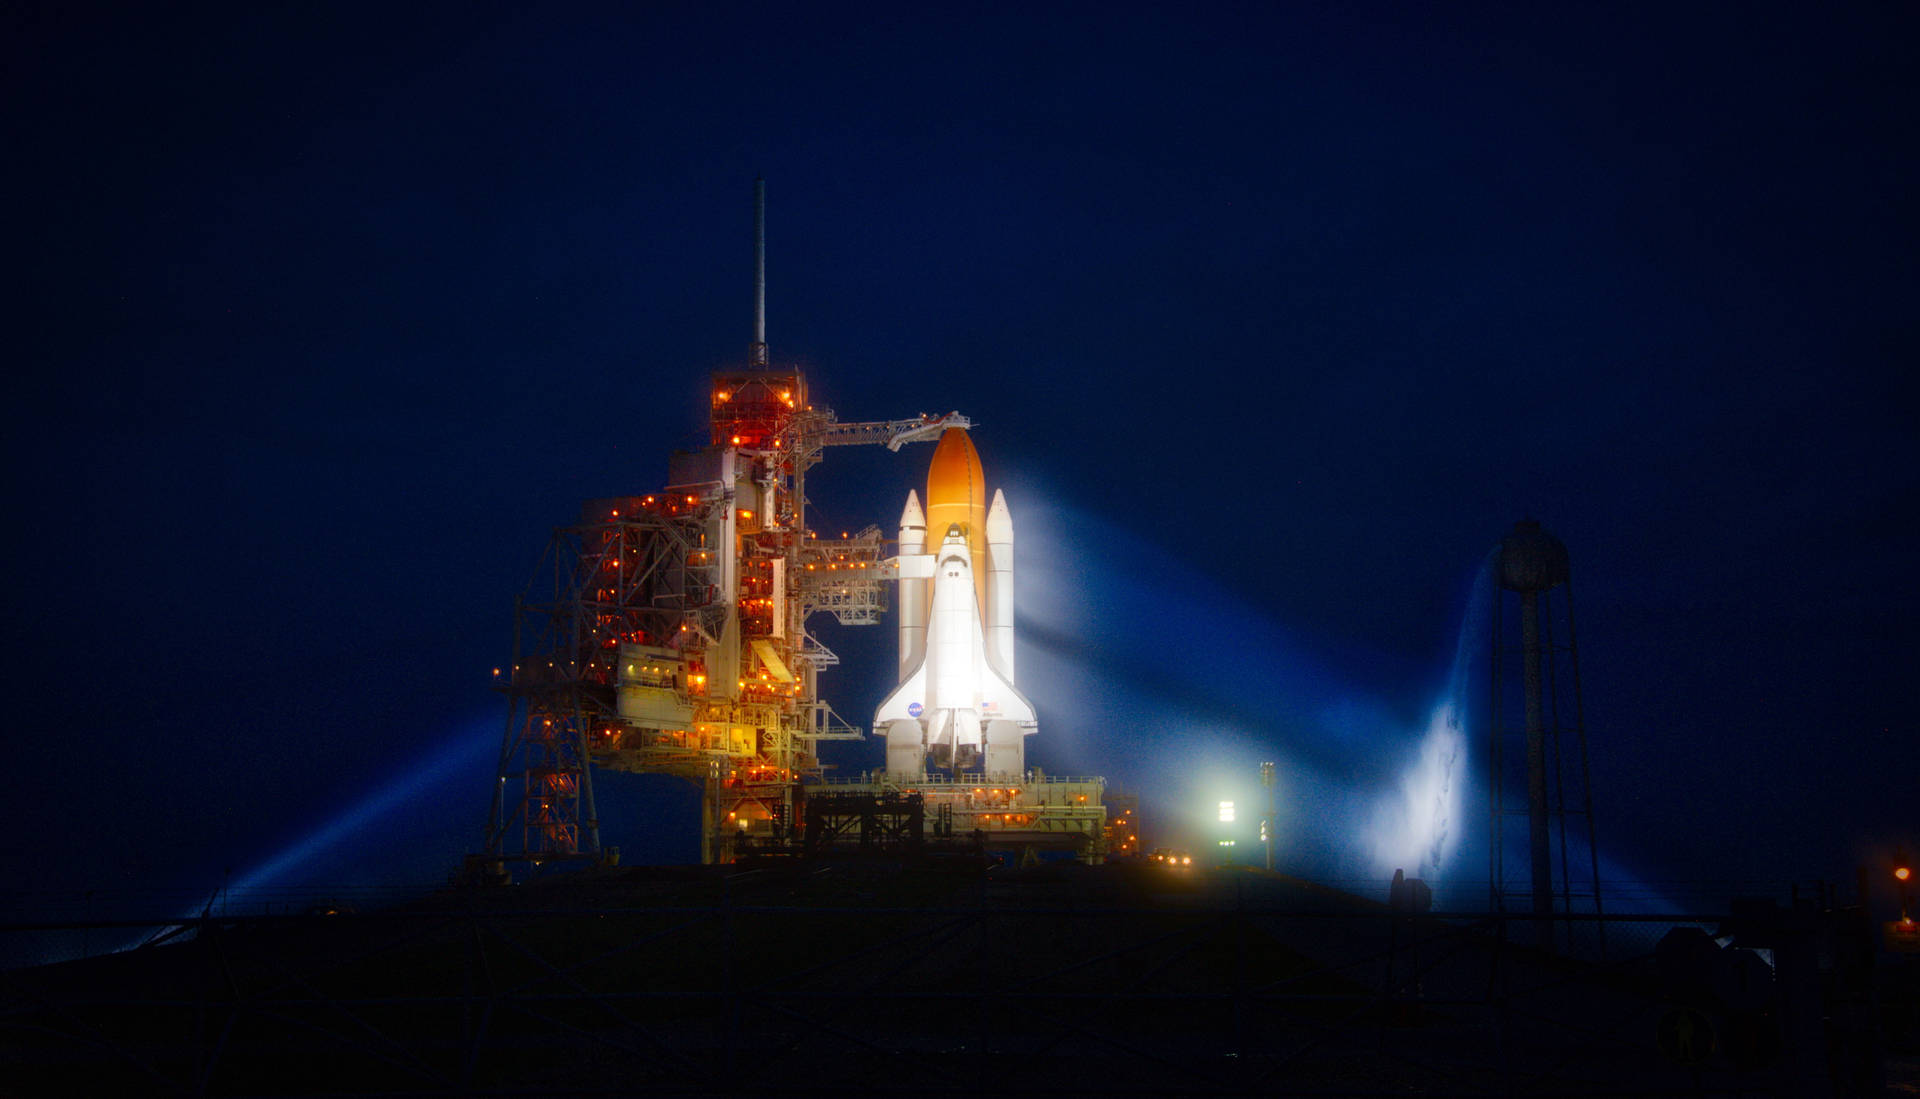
(323, 318)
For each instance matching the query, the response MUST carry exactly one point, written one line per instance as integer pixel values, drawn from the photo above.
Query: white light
(1226, 812)
(1418, 825)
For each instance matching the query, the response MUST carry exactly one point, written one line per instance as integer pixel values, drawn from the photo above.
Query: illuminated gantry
(668, 633)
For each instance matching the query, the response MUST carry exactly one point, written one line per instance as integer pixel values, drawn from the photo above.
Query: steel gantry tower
(666, 632)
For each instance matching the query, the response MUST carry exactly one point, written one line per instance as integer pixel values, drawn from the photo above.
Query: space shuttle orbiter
(956, 706)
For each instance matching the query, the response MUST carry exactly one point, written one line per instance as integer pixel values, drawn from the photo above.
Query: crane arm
(894, 433)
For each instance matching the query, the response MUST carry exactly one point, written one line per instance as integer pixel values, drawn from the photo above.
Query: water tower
(1547, 732)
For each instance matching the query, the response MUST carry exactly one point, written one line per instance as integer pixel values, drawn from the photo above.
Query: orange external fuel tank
(957, 493)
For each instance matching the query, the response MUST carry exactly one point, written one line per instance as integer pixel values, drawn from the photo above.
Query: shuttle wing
(907, 700)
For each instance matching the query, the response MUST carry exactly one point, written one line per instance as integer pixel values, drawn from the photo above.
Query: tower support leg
(1539, 847)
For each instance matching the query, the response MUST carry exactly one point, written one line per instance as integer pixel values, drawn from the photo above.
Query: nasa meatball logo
(913, 709)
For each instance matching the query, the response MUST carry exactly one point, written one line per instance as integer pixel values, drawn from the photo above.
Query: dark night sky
(321, 319)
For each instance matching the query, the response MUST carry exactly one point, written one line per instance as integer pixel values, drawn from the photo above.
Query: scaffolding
(666, 634)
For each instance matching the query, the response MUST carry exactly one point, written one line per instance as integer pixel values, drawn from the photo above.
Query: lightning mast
(757, 355)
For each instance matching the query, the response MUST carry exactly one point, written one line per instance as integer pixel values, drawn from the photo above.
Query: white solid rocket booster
(1000, 586)
(913, 593)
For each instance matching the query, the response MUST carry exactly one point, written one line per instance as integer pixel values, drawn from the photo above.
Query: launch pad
(666, 633)
(1036, 812)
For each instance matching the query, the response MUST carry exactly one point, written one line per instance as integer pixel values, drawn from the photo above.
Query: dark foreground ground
(943, 978)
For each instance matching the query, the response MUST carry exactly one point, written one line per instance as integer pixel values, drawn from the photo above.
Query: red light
(1902, 873)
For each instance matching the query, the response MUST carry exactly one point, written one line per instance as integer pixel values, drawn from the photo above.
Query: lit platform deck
(1035, 810)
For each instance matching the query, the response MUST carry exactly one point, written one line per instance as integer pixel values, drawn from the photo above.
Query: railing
(941, 781)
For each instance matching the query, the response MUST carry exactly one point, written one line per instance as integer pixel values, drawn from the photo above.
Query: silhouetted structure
(874, 822)
(1532, 565)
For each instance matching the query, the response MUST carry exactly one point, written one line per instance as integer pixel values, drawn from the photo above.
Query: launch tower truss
(666, 634)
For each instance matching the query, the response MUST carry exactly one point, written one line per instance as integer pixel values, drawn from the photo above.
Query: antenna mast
(758, 353)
